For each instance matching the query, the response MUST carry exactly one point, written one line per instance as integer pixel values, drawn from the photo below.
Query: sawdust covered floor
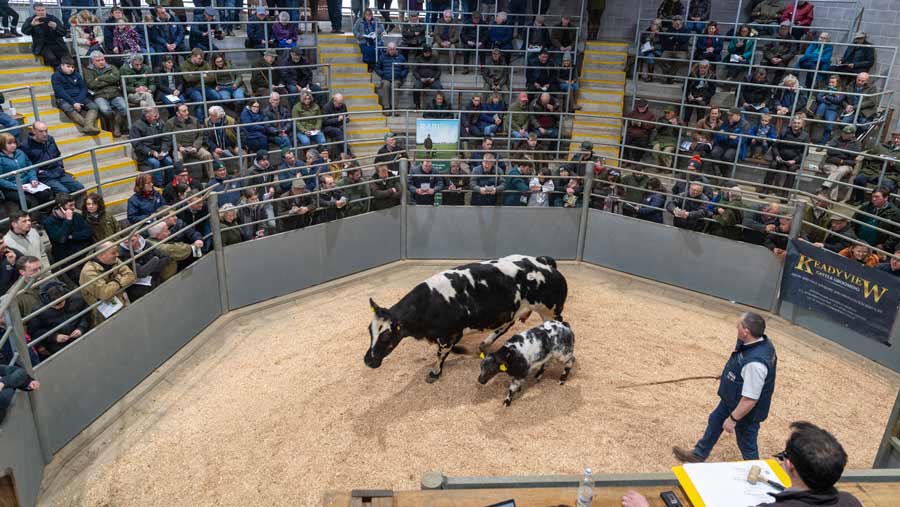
(278, 407)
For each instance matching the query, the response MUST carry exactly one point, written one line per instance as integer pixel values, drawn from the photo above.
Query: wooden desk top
(871, 494)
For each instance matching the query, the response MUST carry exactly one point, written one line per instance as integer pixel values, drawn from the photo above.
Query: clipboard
(694, 496)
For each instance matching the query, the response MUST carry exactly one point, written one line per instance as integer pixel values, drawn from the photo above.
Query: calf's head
(384, 333)
(491, 364)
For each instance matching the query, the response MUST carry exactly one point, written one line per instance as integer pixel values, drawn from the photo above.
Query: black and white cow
(528, 353)
(487, 295)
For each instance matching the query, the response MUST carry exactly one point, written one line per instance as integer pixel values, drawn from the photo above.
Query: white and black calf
(487, 295)
(527, 353)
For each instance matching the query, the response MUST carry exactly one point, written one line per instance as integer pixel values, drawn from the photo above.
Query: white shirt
(754, 375)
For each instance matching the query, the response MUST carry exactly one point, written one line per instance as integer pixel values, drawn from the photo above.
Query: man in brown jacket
(110, 287)
(446, 35)
(189, 143)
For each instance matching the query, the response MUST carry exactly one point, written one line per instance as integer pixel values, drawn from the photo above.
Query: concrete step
(20, 45)
(348, 67)
(601, 106)
(347, 78)
(602, 95)
(362, 134)
(602, 64)
(617, 76)
(605, 56)
(24, 75)
(116, 197)
(73, 143)
(607, 45)
(19, 60)
(329, 47)
(596, 129)
(108, 171)
(370, 100)
(343, 57)
(23, 105)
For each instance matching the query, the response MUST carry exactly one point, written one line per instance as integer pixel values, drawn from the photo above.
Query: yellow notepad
(694, 495)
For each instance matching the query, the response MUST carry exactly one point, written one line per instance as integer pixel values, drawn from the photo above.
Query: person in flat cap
(779, 53)
(859, 57)
(260, 33)
(427, 73)
(412, 34)
(391, 153)
(205, 29)
(495, 71)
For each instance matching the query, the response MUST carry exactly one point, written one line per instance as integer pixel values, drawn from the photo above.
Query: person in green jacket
(726, 215)
(308, 120)
(139, 89)
(197, 82)
(105, 83)
(517, 184)
(666, 138)
(357, 194)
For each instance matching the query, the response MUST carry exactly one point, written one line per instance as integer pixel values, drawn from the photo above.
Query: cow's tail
(550, 261)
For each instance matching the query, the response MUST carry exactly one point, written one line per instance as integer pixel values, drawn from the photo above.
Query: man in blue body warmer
(745, 393)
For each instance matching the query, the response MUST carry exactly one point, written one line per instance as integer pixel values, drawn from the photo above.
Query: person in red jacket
(803, 18)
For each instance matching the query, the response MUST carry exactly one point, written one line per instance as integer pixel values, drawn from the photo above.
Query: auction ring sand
(276, 407)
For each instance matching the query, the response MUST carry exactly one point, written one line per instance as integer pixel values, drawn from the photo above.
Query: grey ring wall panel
(83, 380)
(285, 263)
(20, 449)
(724, 268)
(486, 232)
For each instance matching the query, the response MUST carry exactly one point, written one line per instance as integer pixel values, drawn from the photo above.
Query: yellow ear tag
(373, 310)
(481, 355)
(502, 367)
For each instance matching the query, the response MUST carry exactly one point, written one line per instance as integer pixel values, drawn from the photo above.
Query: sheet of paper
(173, 98)
(146, 281)
(725, 484)
(33, 190)
(425, 186)
(646, 47)
(108, 308)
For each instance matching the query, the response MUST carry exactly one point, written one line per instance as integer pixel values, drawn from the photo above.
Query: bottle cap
(587, 471)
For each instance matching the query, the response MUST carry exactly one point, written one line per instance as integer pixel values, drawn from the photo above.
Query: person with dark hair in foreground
(745, 393)
(813, 459)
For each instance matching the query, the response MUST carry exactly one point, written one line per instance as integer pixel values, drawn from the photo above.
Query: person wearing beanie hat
(427, 73)
(260, 32)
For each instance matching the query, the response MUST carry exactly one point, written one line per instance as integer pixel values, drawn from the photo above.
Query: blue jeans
(236, 95)
(565, 86)
(196, 95)
(549, 133)
(283, 142)
(827, 114)
(305, 140)
(107, 106)
(65, 184)
(861, 180)
(489, 130)
(516, 135)
(745, 431)
(160, 178)
(696, 26)
(230, 14)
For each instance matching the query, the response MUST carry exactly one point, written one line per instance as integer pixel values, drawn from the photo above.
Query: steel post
(96, 169)
(404, 171)
(585, 210)
(216, 229)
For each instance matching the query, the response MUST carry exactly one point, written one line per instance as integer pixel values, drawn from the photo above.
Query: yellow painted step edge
(13, 58)
(352, 75)
(337, 45)
(595, 52)
(620, 44)
(33, 84)
(101, 151)
(611, 92)
(105, 136)
(108, 167)
(604, 81)
(23, 70)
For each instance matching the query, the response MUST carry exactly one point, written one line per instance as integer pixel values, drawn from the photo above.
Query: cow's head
(384, 332)
(491, 364)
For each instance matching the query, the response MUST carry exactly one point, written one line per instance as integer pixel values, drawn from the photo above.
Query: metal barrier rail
(34, 109)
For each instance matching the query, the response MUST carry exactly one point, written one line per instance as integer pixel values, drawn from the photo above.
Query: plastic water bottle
(438, 198)
(585, 490)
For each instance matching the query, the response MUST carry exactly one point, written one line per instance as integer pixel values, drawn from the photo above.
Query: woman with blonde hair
(88, 32)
